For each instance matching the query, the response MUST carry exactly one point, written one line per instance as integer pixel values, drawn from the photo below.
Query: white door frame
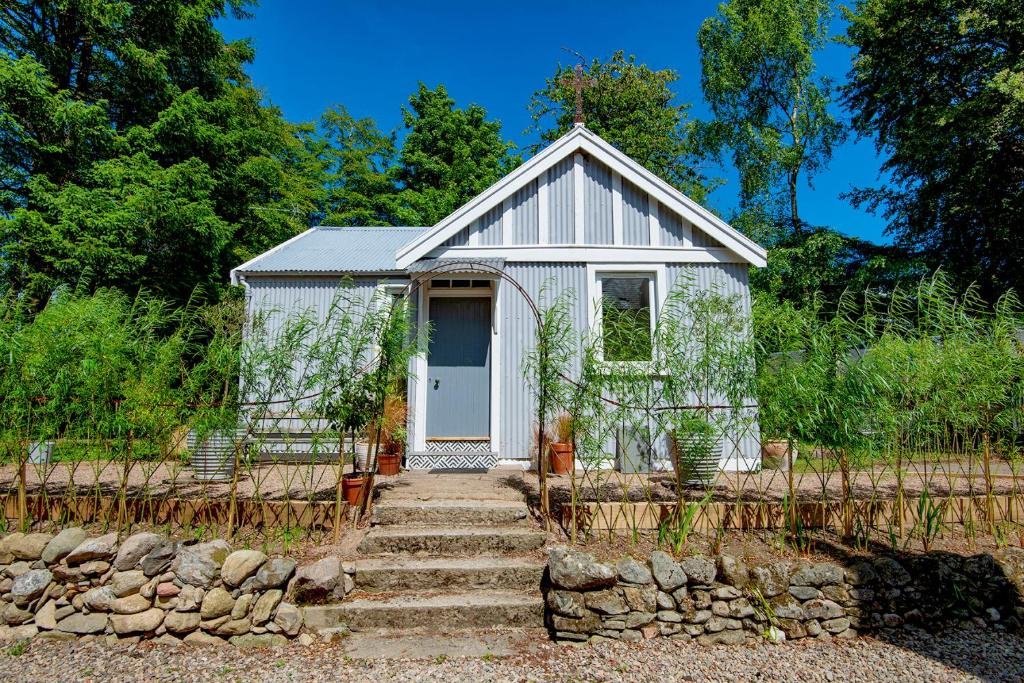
(420, 366)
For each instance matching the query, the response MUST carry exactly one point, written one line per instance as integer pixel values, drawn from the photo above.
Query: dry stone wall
(72, 585)
(723, 600)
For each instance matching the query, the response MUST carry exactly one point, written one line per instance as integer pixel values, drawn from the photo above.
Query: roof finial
(578, 82)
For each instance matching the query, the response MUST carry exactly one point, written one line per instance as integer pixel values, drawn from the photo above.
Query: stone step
(406, 644)
(473, 609)
(437, 512)
(451, 540)
(452, 573)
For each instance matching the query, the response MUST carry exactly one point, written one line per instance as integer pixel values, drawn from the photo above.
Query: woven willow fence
(890, 419)
(121, 412)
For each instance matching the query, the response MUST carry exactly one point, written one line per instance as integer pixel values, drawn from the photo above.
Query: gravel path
(953, 656)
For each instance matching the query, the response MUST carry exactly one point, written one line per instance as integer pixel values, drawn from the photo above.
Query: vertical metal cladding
(671, 225)
(561, 196)
(459, 239)
(525, 216)
(702, 239)
(281, 297)
(597, 200)
(742, 450)
(518, 329)
(488, 227)
(636, 229)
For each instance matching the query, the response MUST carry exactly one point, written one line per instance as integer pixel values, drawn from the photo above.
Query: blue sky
(370, 56)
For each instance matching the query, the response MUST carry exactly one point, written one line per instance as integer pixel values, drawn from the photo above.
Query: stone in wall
(72, 585)
(723, 600)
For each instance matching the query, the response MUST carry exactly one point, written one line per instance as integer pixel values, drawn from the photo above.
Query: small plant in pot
(392, 436)
(355, 411)
(697, 450)
(562, 460)
(776, 454)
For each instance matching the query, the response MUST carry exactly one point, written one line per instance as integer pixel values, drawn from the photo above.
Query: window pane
(626, 318)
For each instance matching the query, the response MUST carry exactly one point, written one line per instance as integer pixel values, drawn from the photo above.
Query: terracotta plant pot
(775, 456)
(562, 461)
(388, 464)
(353, 488)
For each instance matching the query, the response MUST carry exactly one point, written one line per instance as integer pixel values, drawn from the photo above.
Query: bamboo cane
(233, 497)
(990, 505)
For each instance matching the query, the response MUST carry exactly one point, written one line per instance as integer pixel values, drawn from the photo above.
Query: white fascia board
(236, 269)
(593, 254)
(489, 198)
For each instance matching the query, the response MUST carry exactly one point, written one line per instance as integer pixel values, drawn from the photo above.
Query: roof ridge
(371, 227)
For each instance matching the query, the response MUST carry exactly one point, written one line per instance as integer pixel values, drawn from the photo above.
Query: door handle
(437, 383)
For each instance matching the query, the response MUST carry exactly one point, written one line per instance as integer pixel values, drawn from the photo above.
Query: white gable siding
(636, 228)
(516, 221)
(459, 239)
(597, 198)
(702, 239)
(488, 228)
(560, 203)
(673, 231)
(522, 212)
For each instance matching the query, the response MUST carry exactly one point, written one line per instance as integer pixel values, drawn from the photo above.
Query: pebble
(973, 656)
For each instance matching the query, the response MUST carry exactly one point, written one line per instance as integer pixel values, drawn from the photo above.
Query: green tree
(770, 107)
(449, 155)
(940, 85)
(361, 168)
(134, 152)
(825, 263)
(632, 107)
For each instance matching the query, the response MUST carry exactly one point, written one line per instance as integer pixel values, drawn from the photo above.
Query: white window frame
(658, 281)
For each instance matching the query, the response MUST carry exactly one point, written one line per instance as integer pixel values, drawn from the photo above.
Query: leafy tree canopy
(631, 106)
(770, 106)
(360, 166)
(826, 263)
(449, 155)
(940, 85)
(134, 152)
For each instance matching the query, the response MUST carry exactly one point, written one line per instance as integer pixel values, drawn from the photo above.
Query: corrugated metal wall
(702, 239)
(489, 227)
(525, 219)
(742, 450)
(281, 297)
(518, 329)
(671, 228)
(459, 239)
(561, 196)
(597, 198)
(636, 228)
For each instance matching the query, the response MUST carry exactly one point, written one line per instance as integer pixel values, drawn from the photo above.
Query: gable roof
(581, 139)
(333, 250)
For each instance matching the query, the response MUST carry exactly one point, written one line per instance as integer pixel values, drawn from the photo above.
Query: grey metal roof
(457, 265)
(335, 250)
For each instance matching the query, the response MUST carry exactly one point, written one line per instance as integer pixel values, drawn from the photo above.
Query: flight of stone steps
(439, 561)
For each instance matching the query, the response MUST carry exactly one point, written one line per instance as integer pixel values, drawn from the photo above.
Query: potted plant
(696, 450)
(392, 435)
(562, 460)
(355, 411)
(775, 454)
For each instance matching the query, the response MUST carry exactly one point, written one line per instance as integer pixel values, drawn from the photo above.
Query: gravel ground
(953, 656)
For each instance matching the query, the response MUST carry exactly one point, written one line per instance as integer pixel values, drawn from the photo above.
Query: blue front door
(459, 368)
